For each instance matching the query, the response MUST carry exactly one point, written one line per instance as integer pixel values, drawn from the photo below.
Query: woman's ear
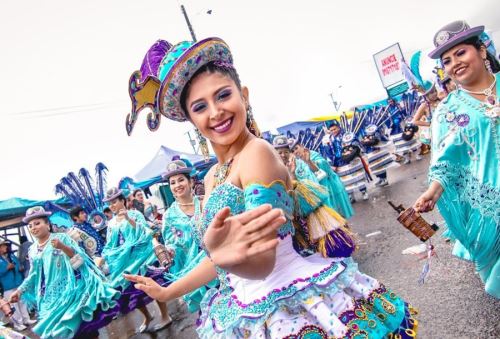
(483, 52)
(245, 95)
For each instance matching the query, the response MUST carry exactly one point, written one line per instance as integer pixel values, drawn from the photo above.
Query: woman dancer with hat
(129, 249)
(338, 197)
(464, 172)
(63, 284)
(267, 289)
(298, 169)
(178, 232)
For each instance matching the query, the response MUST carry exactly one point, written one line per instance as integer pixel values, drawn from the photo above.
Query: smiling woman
(267, 289)
(464, 172)
(178, 233)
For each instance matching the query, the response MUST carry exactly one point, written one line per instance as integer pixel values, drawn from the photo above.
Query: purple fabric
(129, 300)
(89, 329)
(133, 298)
(339, 244)
(153, 58)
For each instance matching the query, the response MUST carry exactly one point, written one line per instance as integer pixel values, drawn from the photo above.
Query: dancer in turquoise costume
(129, 249)
(338, 197)
(464, 172)
(178, 230)
(63, 284)
(128, 242)
(299, 170)
(267, 289)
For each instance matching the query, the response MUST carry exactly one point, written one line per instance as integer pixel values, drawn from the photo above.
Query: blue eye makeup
(225, 93)
(198, 107)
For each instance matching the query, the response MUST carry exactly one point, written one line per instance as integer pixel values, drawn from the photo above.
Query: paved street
(452, 303)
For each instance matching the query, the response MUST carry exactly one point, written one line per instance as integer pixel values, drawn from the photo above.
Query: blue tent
(17, 206)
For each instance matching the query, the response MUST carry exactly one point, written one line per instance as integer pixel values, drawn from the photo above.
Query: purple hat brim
(167, 175)
(457, 39)
(44, 214)
(114, 196)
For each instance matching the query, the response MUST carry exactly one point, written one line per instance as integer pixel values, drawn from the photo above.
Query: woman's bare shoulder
(260, 163)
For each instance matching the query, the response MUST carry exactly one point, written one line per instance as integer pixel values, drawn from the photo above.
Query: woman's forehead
(205, 84)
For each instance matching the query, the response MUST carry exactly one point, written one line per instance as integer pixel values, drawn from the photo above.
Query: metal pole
(188, 23)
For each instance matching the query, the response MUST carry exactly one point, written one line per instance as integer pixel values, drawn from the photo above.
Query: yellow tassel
(303, 188)
(322, 221)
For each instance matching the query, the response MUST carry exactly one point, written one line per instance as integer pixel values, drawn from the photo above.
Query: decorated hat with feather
(165, 72)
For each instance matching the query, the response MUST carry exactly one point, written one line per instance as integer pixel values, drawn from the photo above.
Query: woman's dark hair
(224, 69)
(478, 43)
(75, 211)
(122, 198)
(136, 191)
(47, 221)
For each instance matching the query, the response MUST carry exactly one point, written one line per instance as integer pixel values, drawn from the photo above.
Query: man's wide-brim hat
(451, 35)
(281, 141)
(112, 194)
(176, 167)
(34, 213)
(165, 72)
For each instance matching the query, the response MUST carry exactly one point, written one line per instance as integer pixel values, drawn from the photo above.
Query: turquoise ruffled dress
(64, 297)
(339, 199)
(177, 232)
(128, 248)
(312, 297)
(465, 161)
(304, 172)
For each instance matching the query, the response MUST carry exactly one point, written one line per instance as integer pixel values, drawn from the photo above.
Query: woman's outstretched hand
(231, 240)
(148, 286)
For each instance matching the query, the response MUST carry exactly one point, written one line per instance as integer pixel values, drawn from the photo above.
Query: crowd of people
(265, 252)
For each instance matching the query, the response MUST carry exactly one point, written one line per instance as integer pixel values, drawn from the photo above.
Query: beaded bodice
(240, 200)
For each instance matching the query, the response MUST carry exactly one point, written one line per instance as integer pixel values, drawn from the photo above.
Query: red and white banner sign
(388, 62)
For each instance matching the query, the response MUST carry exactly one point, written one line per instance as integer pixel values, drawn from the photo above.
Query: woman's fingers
(263, 220)
(220, 217)
(142, 287)
(132, 277)
(248, 216)
(261, 248)
(137, 278)
(265, 230)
